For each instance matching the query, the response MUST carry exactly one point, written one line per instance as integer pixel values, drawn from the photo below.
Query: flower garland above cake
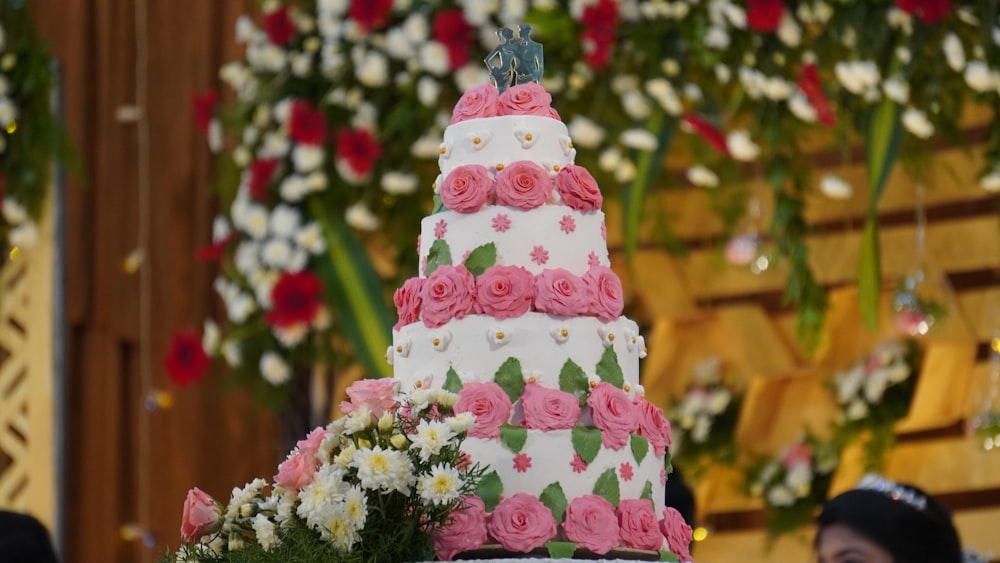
(704, 421)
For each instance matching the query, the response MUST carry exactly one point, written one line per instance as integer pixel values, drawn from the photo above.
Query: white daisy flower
(460, 423)
(311, 238)
(386, 470)
(264, 530)
(835, 187)
(916, 122)
(953, 52)
(274, 369)
(399, 183)
(210, 336)
(800, 107)
(428, 90)
(231, 353)
(741, 146)
(441, 486)
(990, 182)
(433, 57)
(431, 436)
(360, 217)
(276, 253)
(702, 176)
(308, 158)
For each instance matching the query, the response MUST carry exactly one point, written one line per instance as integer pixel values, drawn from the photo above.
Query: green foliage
(555, 500)
(452, 381)
(481, 258)
(572, 379)
(561, 549)
(586, 442)
(510, 378)
(640, 447)
(439, 255)
(609, 370)
(489, 490)
(608, 486)
(513, 437)
(647, 491)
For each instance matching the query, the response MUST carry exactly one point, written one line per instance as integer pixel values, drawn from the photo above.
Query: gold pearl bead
(437, 341)
(419, 384)
(564, 333)
(556, 168)
(627, 388)
(571, 145)
(499, 166)
(593, 384)
(443, 150)
(499, 336)
(528, 137)
(399, 349)
(611, 337)
(476, 140)
(531, 379)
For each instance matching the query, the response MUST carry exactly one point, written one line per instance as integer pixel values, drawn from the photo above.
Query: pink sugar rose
(523, 184)
(638, 525)
(466, 188)
(549, 409)
(505, 291)
(797, 454)
(653, 426)
(591, 523)
(578, 188)
(560, 292)
(407, 300)
(489, 404)
(677, 532)
(449, 293)
(614, 414)
(526, 99)
(465, 530)
(378, 395)
(201, 515)
(605, 297)
(296, 471)
(481, 101)
(522, 523)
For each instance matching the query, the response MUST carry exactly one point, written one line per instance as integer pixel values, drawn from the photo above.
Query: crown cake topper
(891, 489)
(516, 60)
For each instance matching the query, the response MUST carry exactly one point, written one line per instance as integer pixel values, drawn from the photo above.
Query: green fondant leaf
(452, 382)
(561, 549)
(607, 486)
(554, 498)
(439, 255)
(438, 204)
(480, 258)
(608, 368)
(647, 491)
(489, 490)
(667, 556)
(586, 442)
(640, 447)
(510, 378)
(572, 379)
(668, 463)
(513, 437)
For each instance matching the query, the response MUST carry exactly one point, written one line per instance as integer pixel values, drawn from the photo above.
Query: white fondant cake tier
(542, 344)
(551, 236)
(492, 141)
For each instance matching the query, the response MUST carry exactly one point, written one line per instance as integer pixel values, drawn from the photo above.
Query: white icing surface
(506, 139)
(534, 339)
(542, 227)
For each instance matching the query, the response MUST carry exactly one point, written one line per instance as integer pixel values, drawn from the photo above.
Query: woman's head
(882, 522)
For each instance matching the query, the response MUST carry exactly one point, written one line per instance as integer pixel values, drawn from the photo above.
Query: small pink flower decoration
(465, 530)
(526, 99)
(567, 224)
(449, 293)
(663, 476)
(377, 395)
(489, 404)
(549, 409)
(522, 523)
(481, 101)
(653, 426)
(638, 525)
(539, 255)
(614, 414)
(578, 188)
(677, 532)
(466, 188)
(505, 291)
(201, 515)
(605, 297)
(625, 470)
(591, 523)
(559, 292)
(522, 462)
(592, 259)
(579, 466)
(440, 228)
(523, 184)
(407, 301)
(501, 223)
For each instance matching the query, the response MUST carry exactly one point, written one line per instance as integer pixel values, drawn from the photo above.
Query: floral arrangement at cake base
(873, 395)
(704, 421)
(793, 484)
(380, 484)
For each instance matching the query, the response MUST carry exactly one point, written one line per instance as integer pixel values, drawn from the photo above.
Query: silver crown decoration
(516, 60)
(889, 488)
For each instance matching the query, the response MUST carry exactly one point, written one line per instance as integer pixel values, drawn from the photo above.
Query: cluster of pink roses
(522, 523)
(523, 184)
(451, 292)
(521, 99)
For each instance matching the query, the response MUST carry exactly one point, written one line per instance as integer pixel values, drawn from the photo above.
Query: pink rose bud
(638, 525)
(489, 404)
(797, 454)
(522, 523)
(296, 471)
(201, 515)
(407, 300)
(466, 188)
(592, 524)
(465, 530)
(481, 101)
(560, 292)
(614, 413)
(604, 293)
(449, 293)
(579, 189)
(523, 184)
(653, 426)
(377, 395)
(526, 99)
(505, 291)
(549, 409)
(677, 532)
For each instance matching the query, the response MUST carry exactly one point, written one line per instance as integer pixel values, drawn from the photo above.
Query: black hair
(23, 539)
(908, 533)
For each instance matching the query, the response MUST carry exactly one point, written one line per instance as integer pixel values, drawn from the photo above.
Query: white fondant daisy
(527, 137)
(607, 335)
(560, 333)
(440, 339)
(499, 336)
(480, 139)
(403, 347)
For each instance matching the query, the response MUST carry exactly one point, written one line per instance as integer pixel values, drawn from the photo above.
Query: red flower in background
(765, 15)
(213, 252)
(599, 22)
(452, 31)
(279, 27)
(186, 360)
(712, 135)
(358, 149)
(296, 299)
(261, 173)
(371, 14)
(307, 124)
(813, 89)
(929, 11)
(204, 109)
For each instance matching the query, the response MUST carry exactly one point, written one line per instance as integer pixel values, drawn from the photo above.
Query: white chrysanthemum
(338, 529)
(777, 89)
(373, 70)
(24, 235)
(210, 337)
(478, 13)
(953, 52)
(264, 530)
(857, 76)
(399, 183)
(266, 57)
(702, 426)
(636, 105)
(8, 112)
(585, 132)
(361, 218)
(397, 44)
(875, 386)
(359, 420)
(848, 384)
(835, 187)
(639, 139)
(625, 172)
(13, 212)
(663, 92)
(916, 122)
(239, 306)
(780, 495)
(308, 158)
(386, 470)
(220, 228)
(274, 369)
(311, 238)
(285, 221)
(702, 176)
(472, 75)
(427, 146)
(275, 145)
(433, 57)
(800, 107)
(512, 12)
(979, 77)
(789, 32)
(244, 495)
(326, 488)
(346, 455)
(431, 436)
(428, 90)
(798, 478)
(290, 336)
(356, 506)
(741, 146)
(718, 401)
(857, 410)
(231, 353)
(609, 159)
(716, 38)
(246, 258)
(441, 486)
(897, 90)
(461, 422)
(276, 253)
(991, 182)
